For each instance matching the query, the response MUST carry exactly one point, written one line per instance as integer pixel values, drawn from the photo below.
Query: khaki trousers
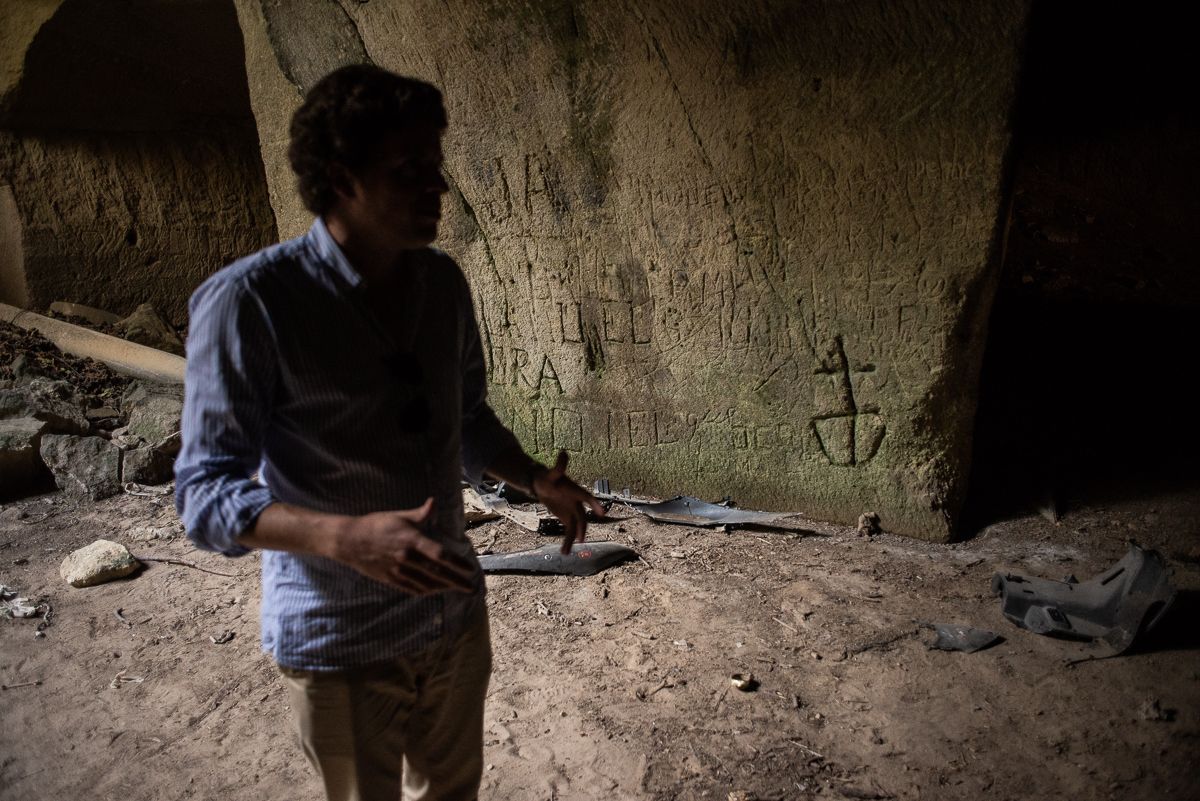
(411, 726)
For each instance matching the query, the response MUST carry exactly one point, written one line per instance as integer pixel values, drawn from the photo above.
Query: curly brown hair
(342, 118)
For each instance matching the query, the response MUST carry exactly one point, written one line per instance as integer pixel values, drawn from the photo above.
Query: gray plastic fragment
(690, 511)
(585, 559)
(1114, 607)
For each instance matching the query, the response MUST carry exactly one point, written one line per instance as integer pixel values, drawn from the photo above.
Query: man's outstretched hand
(565, 499)
(392, 548)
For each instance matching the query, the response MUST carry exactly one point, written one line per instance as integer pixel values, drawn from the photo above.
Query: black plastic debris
(690, 511)
(962, 638)
(1115, 607)
(585, 559)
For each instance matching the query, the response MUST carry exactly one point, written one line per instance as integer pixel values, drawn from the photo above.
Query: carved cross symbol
(847, 431)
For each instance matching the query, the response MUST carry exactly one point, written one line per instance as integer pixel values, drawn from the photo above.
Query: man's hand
(391, 547)
(565, 499)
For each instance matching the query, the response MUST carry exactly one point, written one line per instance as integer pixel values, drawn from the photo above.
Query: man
(346, 367)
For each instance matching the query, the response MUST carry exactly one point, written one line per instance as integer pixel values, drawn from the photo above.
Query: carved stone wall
(722, 249)
(128, 154)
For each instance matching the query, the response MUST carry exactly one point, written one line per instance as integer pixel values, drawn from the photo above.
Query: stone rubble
(74, 423)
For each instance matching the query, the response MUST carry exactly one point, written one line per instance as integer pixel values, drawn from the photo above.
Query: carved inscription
(647, 427)
(848, 431)
(566, 429)
(514, 367)
(625, 322)
(570, 322)
(610, 298)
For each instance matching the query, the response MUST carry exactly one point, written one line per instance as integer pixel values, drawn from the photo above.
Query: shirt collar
(331, 254)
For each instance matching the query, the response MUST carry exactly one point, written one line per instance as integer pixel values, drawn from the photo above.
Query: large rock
(147, 465)
(97, 563)
(88, 467)
(147, 327)
(55, 403)
(27, 412)
(21, 469)
(727, 249)
(154, 412)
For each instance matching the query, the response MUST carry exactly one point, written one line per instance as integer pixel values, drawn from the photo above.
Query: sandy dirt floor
(617, 686)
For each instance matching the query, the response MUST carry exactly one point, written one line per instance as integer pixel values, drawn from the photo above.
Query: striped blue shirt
(293, 376)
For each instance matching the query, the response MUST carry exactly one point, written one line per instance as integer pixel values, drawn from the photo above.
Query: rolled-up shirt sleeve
(484, 437)
(231, 380)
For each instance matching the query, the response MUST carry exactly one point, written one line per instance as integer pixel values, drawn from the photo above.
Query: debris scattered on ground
(14, 606)
(744, 682)
(146, 491)
(25, 355)
(689, 511)
(35, 683)
(550, 527)
(585, 559)
(1114, 607)
(475, 510)
(642, 694)
(223, 637)
(495, 503)
(951, 637)
(103, 560)
(602, 491)
(121, 678)
(868, 524)
(806, 749)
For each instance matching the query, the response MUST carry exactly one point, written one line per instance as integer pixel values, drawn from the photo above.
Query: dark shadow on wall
(132, 154)
(1084, 395)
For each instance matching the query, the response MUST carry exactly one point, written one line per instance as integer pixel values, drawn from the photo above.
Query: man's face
(396, 198)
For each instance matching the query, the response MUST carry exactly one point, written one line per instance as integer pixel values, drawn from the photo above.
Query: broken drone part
(1130, 597)
(601, 490)
(493, 502)
(585, 559)
(550, 527)
(967, 639)
(689, 511)
(744, 682)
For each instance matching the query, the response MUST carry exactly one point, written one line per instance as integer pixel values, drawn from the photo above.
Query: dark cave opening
(1084, 393)
(131, 155)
